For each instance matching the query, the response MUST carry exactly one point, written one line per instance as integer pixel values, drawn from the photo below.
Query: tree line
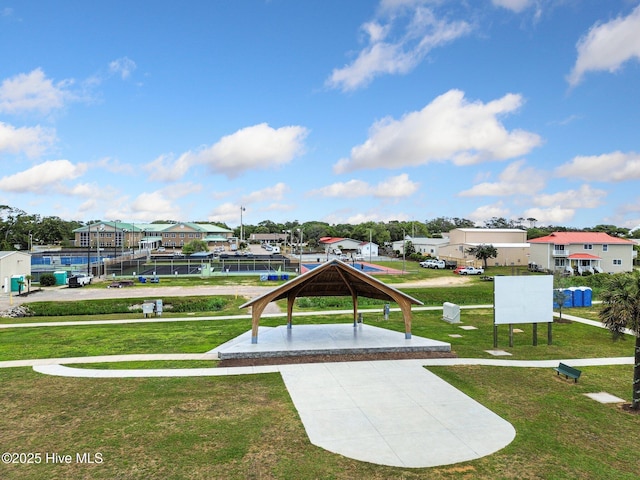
(21, 230)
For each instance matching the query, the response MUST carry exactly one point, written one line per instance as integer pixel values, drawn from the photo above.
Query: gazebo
(331, 279)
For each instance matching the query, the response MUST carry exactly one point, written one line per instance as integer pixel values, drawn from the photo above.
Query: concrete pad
(604, 397)
(455, 335)
(402, 414)
(468, 327)
(330, 339)
(498, 353)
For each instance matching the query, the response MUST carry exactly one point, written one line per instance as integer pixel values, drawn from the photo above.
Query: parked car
(471, 271)
(427, 263)
(358, 257)
(79, 280)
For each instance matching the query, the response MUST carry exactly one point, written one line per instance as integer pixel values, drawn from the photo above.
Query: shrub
(47, 279)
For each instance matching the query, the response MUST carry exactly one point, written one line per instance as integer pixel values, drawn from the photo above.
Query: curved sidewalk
(389, 412)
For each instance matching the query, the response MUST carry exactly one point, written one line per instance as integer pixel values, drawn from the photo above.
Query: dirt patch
(627, 407)
(354, 357)
(453, 280)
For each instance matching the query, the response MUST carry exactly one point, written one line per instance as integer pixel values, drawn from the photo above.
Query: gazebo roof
(334, 279)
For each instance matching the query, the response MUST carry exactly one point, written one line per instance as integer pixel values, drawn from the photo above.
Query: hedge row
(125, 305)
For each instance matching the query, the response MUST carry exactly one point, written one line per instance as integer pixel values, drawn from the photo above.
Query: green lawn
(246, 427)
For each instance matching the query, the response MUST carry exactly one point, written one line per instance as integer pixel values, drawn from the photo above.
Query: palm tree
(621, 311)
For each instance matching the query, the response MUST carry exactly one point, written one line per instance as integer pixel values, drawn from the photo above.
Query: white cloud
(114, 165)
(32, 141)
(33, 92)
(122, 66)
(551, 216)
(259, 147)
(584, 197)
(449, 128)
(420, 32)
(607, 46)
(609, 167)
(516, 6)
(165, 169)
(39, 178)
(393, 187)
(161, 204)
(486, 212)
(155, 205)
(514, 180)
(226, 212)
(268, 194)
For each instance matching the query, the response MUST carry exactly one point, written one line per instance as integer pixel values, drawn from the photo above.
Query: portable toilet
(61, 277)
(587, 296)
(16, 280)
(577, 297)
(568, 298)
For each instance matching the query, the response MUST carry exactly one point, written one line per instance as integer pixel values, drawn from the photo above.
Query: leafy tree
(409, 248)
(610, 229)
(498, 222)
(621, 310)
(195, 246)
(483, 252)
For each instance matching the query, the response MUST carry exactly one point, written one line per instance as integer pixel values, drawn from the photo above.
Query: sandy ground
(65, 294)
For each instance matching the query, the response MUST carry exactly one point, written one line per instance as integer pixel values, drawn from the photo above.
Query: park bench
(568, 371)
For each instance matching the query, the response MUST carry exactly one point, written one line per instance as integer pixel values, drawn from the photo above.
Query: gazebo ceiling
(333, 278)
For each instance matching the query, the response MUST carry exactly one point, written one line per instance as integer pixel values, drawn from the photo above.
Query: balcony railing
(560, 253)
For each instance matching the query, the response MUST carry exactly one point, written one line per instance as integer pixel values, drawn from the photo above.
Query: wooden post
(511, 335)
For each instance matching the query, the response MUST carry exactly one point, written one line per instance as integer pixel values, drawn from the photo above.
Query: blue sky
(331, 110)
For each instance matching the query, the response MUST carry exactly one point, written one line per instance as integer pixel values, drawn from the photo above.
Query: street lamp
(242, 209)
(404, 248)
(300, 233)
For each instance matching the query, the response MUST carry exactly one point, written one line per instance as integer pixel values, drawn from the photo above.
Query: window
(605, 248)
(559, 262)
(617, 261)
(588, 246)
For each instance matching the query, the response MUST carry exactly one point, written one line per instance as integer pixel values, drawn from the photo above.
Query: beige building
(148, 236)
(511, 244)
(578, 252)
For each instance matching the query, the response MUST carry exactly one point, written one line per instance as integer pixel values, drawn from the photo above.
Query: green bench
(567, 371)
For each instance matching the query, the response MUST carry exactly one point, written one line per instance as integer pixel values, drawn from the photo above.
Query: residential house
(580, 252)
(345, 245)
(422, 245)
(368, 250)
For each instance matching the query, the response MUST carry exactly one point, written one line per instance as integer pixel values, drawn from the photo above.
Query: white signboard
(525, 299)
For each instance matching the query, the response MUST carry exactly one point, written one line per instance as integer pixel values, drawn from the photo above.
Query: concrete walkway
(390, 412)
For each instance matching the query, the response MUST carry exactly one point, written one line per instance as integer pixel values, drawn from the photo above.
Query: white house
(423, 245)
(14, 266)
(368, 249)
(579, 252)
